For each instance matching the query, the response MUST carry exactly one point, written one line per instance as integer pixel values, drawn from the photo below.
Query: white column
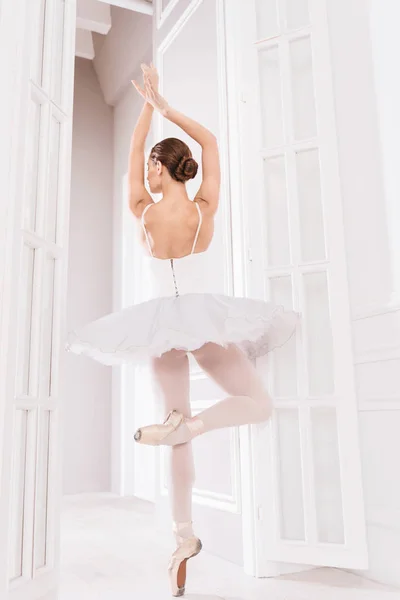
(385, 43)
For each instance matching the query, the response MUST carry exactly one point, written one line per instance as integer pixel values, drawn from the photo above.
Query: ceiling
(95, 17)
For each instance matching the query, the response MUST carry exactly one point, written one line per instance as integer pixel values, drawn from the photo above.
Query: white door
(307, 480)
(33, 308)
(189, 51)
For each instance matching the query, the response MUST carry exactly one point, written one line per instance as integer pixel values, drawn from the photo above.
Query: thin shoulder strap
(198, 227)
(144, 227)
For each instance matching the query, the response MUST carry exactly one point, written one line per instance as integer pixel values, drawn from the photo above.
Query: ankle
(183, 531)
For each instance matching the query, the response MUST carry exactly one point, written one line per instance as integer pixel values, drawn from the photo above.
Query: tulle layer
(142, 331)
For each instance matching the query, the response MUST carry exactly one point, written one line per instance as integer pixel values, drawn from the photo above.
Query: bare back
(172, 227)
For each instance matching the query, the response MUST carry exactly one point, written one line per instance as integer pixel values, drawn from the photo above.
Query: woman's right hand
(150, 74)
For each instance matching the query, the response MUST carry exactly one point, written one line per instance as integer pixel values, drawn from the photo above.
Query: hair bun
(186, 169)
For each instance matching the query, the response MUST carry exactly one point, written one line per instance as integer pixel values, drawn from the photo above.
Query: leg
(248, 402)
(171, 373)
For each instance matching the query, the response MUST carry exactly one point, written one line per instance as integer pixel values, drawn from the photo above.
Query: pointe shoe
(153, 435)
(187, 548)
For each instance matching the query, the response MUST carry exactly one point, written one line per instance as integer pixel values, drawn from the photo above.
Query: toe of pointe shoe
(154, 435)
(177, 593)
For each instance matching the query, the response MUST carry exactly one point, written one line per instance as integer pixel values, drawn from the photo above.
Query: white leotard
(178, 276)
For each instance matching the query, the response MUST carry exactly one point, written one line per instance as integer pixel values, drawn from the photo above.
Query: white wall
(87, 395)
(366, 155)
(127, 45)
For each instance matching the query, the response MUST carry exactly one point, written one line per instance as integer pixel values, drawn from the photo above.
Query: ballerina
(185, 315)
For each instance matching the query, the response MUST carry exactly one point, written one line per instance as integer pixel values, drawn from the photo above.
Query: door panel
(36, 291)
(309, 502)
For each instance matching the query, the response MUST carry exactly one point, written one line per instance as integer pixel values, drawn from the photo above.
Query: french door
(306, 483)
(34, 291)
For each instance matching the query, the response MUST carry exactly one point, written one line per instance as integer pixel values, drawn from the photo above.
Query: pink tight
(248, 402)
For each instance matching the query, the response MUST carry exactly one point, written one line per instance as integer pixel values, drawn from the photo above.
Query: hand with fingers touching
(151, 95)
(150, 74)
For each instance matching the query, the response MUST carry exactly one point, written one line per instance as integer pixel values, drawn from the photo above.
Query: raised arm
(139, 197)
(208, 192)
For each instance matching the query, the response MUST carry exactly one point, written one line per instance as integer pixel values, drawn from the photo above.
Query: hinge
(250, 254)
(243, 97)
(259, 513)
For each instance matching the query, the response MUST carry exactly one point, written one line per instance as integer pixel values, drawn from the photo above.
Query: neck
(174, 190)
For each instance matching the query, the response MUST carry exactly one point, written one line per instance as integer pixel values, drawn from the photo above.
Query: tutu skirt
(141, 331)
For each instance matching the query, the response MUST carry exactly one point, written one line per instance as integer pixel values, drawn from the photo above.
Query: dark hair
(177, 157)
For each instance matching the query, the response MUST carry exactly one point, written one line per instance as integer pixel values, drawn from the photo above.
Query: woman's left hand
(152, 96)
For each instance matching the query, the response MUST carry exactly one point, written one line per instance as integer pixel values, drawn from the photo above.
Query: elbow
(211, 140)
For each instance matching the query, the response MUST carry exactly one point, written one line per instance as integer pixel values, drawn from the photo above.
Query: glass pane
(25, 324)
(54, 168)
(18, 493)
(284, 372)
(57, 51)
(328, 489)
(312, 233)
(318, 334)
(271, 97)
(47, 326)
(32, 165)
(278, 241)
(38, 34)
(304, 115)
(290, 475)
(297, 14)
(42, 488)
(267, 18)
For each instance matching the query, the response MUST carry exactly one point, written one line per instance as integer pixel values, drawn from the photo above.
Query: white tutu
(185, 321)
(151, 328)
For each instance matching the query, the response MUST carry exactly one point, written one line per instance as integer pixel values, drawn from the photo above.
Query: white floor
(111, 551)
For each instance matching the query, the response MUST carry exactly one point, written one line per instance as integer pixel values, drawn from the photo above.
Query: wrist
(166, 111)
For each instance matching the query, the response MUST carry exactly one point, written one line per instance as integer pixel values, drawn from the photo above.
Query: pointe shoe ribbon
(153, 435)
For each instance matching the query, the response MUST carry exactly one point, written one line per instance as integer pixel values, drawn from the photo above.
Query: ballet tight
(248, 402)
